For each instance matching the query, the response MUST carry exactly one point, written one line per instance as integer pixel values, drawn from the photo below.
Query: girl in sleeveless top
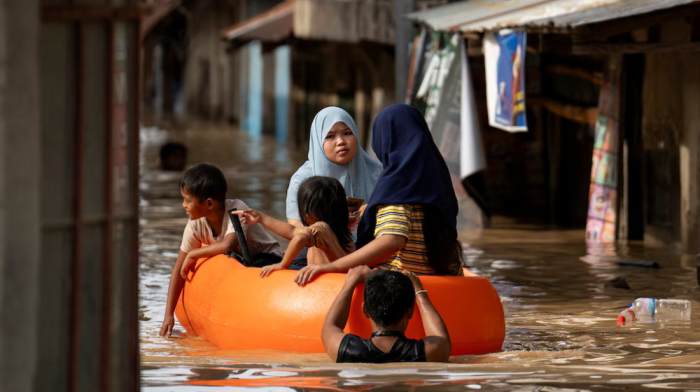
(323, 210)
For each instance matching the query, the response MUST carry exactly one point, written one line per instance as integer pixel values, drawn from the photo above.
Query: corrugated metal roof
(483, 15)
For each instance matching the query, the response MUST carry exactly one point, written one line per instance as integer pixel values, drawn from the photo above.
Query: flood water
(561, 330)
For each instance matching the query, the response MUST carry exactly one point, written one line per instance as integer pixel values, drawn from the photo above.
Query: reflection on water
(561, 329)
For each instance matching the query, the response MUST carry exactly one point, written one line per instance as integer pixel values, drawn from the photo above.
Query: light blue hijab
(357, 177)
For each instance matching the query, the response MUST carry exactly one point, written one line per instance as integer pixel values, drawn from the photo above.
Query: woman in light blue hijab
(334, 152)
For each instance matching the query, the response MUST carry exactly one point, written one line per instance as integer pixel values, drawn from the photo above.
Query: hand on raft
(417, 285)
(358, 275)
(307, 273)
(249, 216)
(268, 269)
(186, 266)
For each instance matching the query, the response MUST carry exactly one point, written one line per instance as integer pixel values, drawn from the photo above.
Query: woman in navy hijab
(411, 218)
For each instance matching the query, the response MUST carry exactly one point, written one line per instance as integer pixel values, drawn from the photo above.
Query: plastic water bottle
(504, 304)
(667, 309)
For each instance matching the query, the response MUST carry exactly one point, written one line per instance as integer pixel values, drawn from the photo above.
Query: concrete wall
(20, 174)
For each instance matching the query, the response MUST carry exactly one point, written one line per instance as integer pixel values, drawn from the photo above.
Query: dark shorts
(300, 261)
(259, 260)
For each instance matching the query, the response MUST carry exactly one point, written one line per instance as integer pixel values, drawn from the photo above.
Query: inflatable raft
(233, 308)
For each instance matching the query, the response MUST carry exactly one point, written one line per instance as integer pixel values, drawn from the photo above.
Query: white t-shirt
(198, 233)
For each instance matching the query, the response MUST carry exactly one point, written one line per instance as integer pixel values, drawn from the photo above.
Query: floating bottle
(666, 309)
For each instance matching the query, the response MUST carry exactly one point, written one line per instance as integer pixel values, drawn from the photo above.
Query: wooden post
(631, 218)
(690, 155)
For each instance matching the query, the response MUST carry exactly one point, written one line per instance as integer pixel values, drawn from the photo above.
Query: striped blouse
(405, 220)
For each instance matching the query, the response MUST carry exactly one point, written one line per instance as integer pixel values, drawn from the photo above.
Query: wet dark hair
(445, 253)
(388, 296)
(325, 198)
(204, 181)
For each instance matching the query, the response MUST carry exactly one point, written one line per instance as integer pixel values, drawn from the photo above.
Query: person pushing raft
(390, 299)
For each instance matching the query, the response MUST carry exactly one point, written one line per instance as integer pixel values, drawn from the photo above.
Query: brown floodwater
(561, 330)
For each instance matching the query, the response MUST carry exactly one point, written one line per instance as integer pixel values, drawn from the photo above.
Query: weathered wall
(20, 173)
(690, 153)
(207, 70)
(662, 125)
(356, 77)
(346, 21)
(671, 137)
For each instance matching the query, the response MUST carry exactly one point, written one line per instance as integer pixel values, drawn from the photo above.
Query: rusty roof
(483, 15)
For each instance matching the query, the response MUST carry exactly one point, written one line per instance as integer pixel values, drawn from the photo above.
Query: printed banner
(435, 75)
(453, 120)
(504, 56)
(602, 198)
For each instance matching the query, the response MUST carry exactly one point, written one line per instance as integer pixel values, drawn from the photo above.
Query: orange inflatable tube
(232, 307)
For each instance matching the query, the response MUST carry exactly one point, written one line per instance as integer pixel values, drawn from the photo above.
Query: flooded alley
(556, 141)
(561, 331)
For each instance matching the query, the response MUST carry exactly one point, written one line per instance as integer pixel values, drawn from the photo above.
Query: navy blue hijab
(414, 170)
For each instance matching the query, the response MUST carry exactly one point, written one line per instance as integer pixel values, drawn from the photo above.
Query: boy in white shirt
(210, 232)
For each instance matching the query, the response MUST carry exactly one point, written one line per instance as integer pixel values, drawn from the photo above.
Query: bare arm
(229, 243)
(251, 217)
(296, 245)
(174, 290)
(298, 242)
(295, 222)
(332, 333)
(437, 341)
(373, 253)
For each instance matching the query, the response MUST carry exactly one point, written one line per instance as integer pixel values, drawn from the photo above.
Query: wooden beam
(553, 43)
(579, 114)
(625, 25)
(559, 69)
(88, 13)
(605, 48)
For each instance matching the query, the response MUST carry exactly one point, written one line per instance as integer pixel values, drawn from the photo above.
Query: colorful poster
(436, 73)
(504, 56)
(602, 198)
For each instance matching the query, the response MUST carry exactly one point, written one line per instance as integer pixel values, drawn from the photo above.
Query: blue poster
(505, 77)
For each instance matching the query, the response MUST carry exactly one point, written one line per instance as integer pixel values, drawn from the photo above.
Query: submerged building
(620, 75)
(303, 55)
